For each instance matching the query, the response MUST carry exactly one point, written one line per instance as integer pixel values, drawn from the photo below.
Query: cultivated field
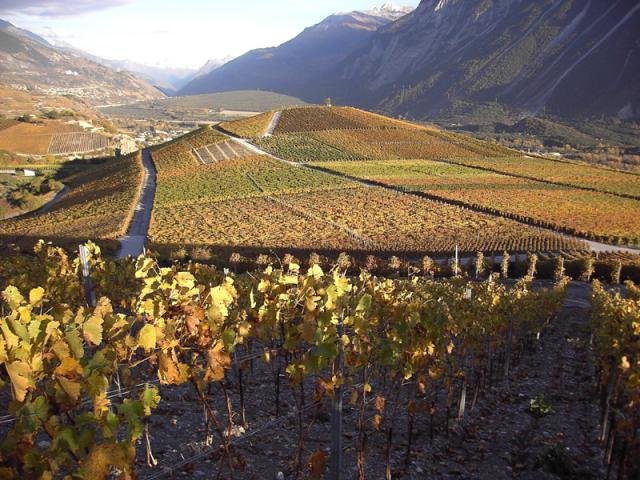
(54, 138)
(98, 206)
(254, 127)
(585, 213)
(587, 201)
(230, 202)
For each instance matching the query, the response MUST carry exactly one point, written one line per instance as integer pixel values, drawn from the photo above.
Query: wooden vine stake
(336, 460)
(86, 276)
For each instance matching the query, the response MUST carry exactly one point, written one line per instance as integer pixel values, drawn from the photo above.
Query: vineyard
(98, 206)
(221, 151)
(178, 154)
(297, 147)
(54, 138)
(239, 178)
(585, 213)
(331, 134)
(253, 127)
(395, 222)
(188, 371)
(564, 173)
(66, 143)
(230, 203)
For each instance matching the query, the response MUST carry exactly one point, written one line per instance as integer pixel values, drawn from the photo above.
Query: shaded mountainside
(569, 58)
(29, 62)
(298, 66)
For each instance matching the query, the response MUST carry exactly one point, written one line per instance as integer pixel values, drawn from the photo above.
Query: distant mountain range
(570, 58)
(29, 62)
(168, 80)
(300, 65)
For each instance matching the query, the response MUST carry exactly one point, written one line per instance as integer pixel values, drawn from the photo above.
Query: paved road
(133, 243)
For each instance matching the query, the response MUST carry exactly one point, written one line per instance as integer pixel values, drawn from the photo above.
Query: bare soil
(499, 438)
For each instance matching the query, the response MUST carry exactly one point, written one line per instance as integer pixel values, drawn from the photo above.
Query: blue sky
(181, 33)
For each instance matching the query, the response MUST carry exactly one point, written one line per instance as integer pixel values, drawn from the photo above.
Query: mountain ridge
(29, 62)
(301, 63)
(569, 58)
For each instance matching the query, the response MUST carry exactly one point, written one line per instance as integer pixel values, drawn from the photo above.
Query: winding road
(133, 243)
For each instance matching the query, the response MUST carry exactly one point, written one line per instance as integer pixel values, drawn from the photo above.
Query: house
(29, 173)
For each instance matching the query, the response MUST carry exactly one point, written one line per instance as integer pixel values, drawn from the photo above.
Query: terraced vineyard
(98, 206)
(178, 154)
(221, 151)
(586, 201)
(351, 185)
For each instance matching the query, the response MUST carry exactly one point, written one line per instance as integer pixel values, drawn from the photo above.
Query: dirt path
(273, 124)
(133, 243)
(502, 440)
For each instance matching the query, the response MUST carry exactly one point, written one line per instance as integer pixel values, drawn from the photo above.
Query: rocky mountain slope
(570, 58)
(30, 63)
(300, 65)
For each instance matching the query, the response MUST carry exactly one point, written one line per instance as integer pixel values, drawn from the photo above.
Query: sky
(176, 33)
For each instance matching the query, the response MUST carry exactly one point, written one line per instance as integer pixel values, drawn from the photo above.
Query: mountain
(28, 62)
(210, 66)
(566, 57)
(298, 66)
(165, 78)
(448, 58)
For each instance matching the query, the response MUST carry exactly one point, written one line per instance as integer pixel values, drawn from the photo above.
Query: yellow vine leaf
(316, 272)
(36, 295)
(21, 379)
(92, 330)
(217, 361)
(13, 297)
(147, 337)
(170, 371)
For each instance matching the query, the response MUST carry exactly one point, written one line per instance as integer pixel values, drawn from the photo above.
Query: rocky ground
(502, 437)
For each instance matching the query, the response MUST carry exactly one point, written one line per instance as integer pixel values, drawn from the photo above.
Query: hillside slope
(27, 62)
(569, 57)
(298, 66)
